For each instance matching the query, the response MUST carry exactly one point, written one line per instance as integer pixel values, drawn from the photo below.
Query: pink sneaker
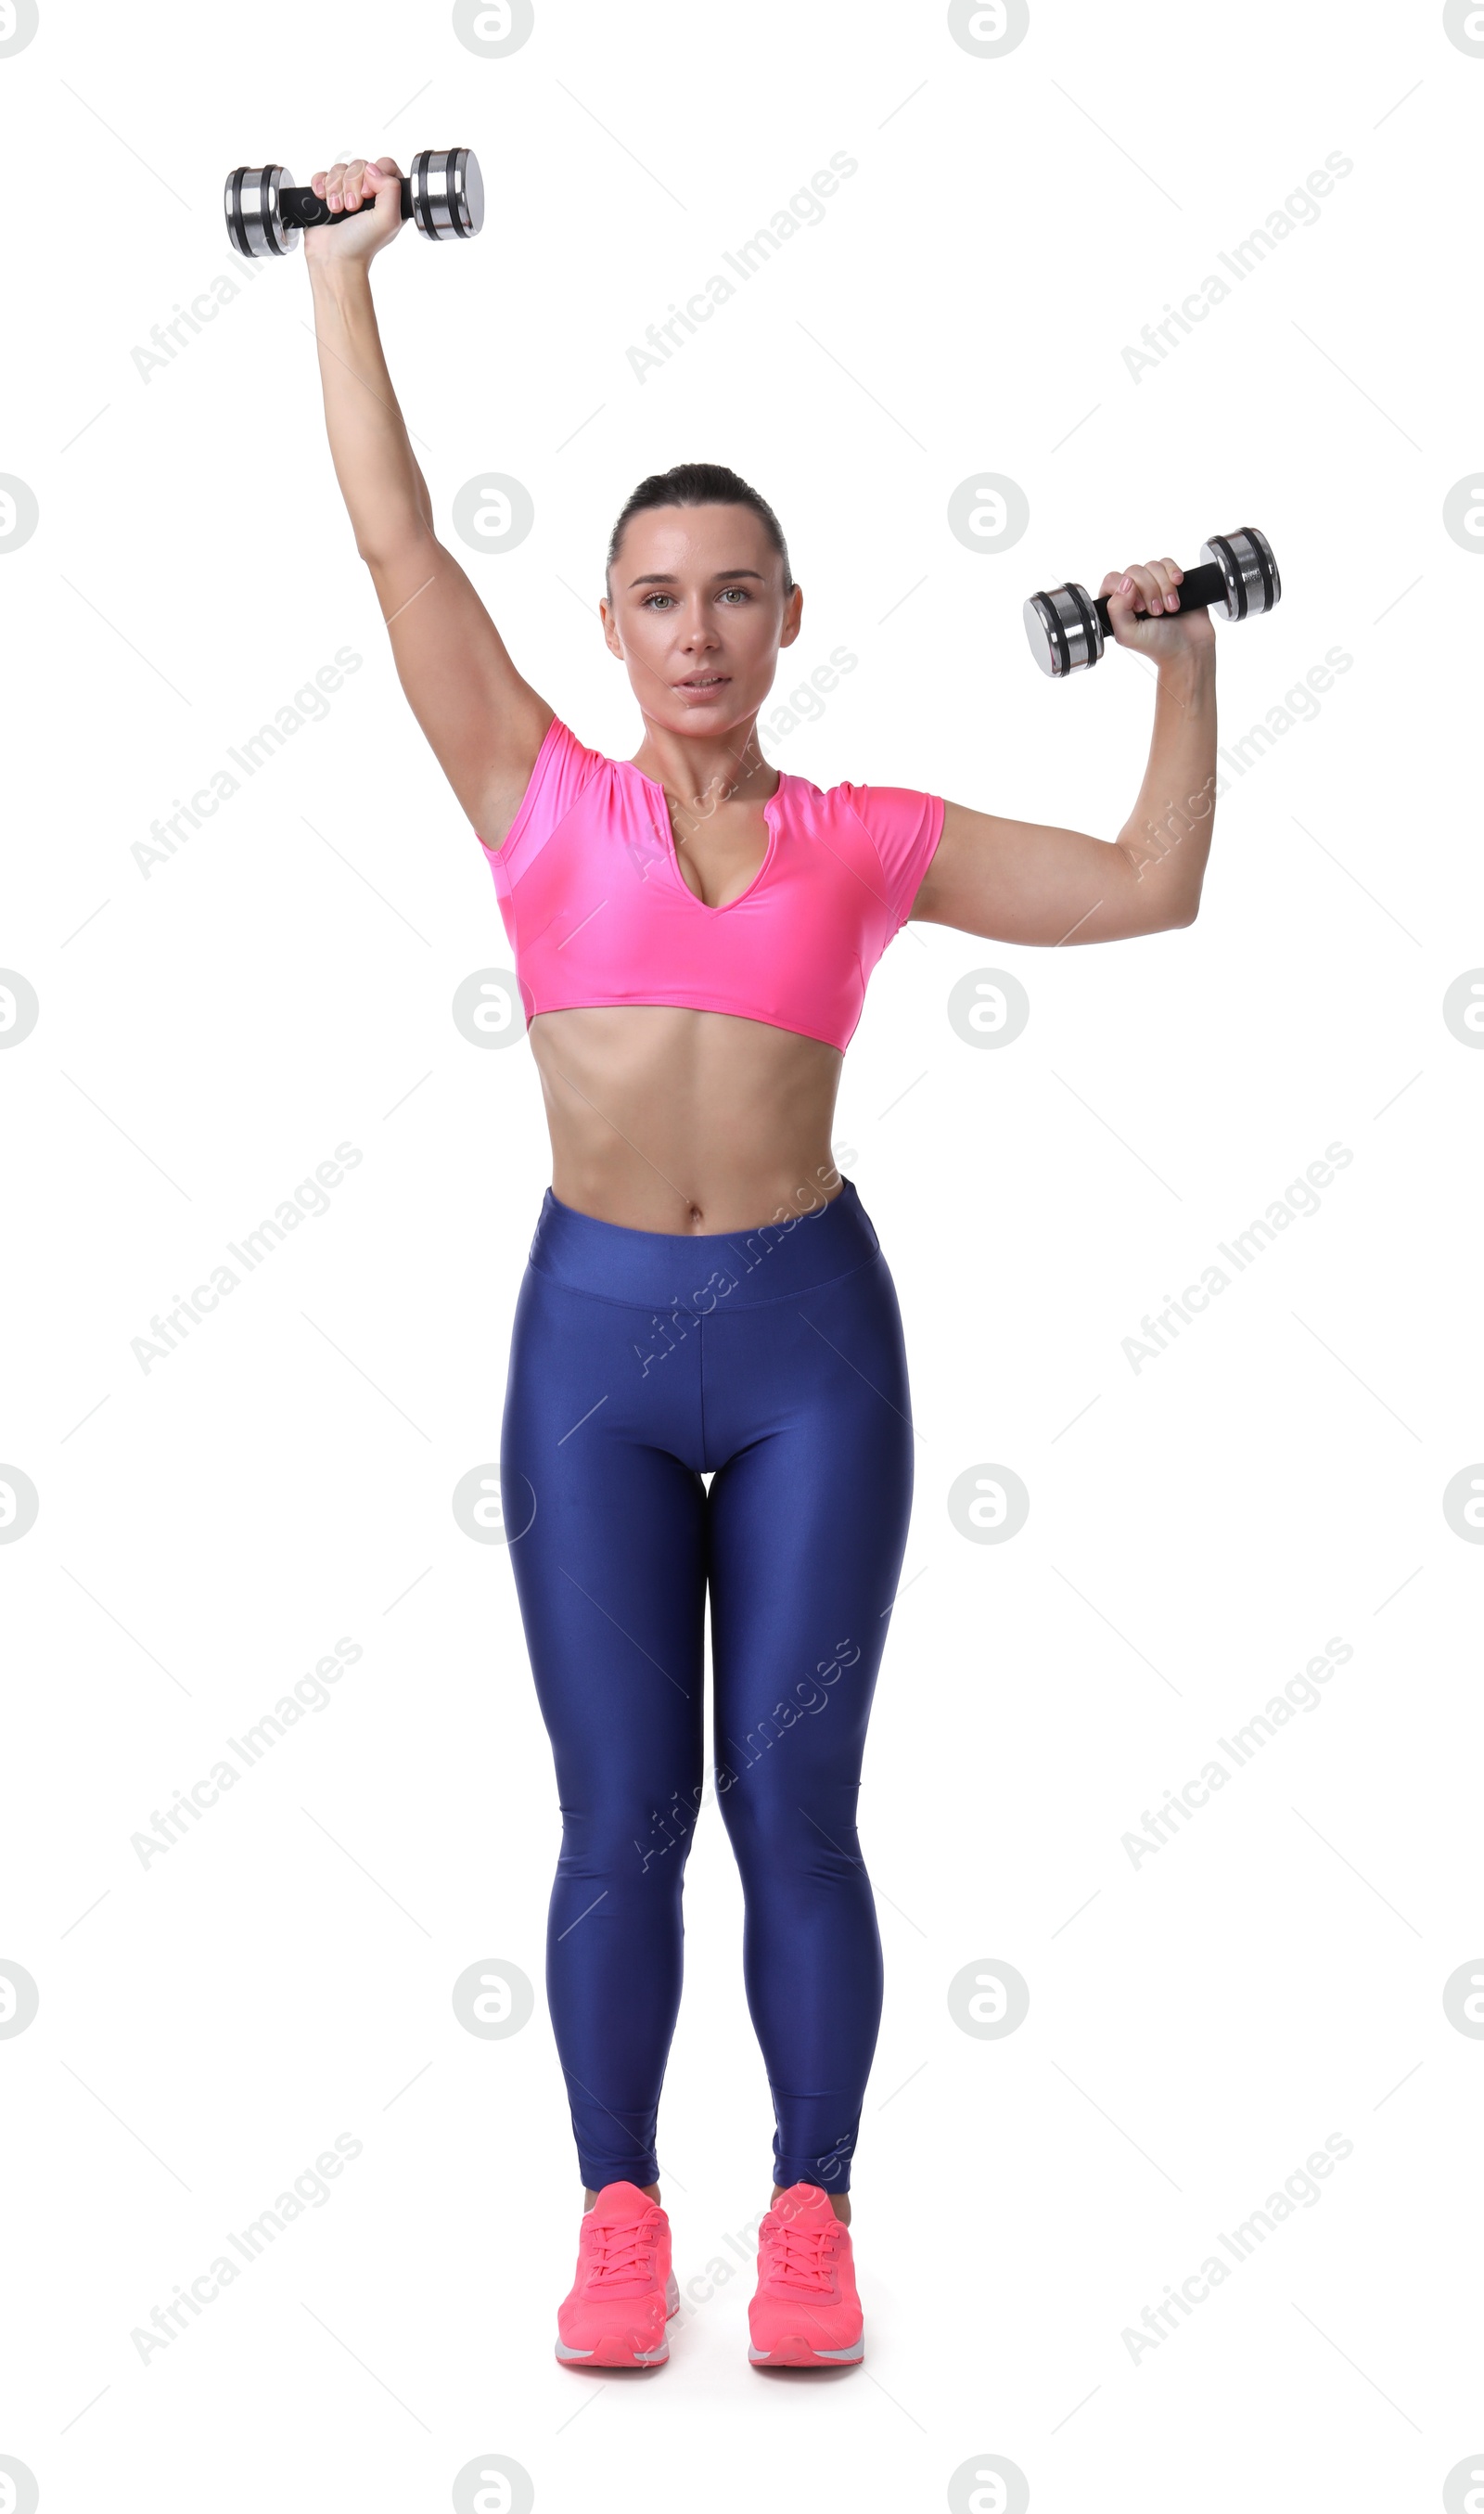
(624, 2290)
(806, 2311)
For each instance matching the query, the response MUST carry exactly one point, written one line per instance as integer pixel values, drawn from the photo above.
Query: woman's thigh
(808, 1409)
(606, 1517)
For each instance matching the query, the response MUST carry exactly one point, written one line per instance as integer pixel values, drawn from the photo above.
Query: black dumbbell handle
(300, 206)
(1197, 588)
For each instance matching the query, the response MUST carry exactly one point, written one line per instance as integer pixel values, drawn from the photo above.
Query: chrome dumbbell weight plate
(254, 205)
(1064, 631)
(1249, 569)
(447, 192)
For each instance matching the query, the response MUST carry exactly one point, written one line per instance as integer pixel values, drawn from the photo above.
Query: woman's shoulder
(886, 810)
(903, 823)
(563, 768)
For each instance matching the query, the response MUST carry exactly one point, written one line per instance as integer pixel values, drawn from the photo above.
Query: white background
(1198, 1529)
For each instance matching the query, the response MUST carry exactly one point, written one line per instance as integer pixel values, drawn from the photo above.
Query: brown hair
(701, 484)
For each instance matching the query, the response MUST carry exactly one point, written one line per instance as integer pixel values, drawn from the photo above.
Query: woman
(705, 1296)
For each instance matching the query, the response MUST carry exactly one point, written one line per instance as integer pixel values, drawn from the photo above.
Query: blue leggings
(640, 1362)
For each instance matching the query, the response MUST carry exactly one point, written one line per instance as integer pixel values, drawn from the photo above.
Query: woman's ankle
(651, 2191)
(838, 2201)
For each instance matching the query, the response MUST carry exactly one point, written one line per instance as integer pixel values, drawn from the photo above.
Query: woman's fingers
(351, 183)
(1139, 590)
(1152, 588)
(382, 174)
(353, 180)
(345, 185)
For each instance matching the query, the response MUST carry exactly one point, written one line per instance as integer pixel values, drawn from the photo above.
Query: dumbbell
(266, 208)
(1238, 578)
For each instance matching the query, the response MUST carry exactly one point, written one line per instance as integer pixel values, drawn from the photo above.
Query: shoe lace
(622, 2251)
(800, 2257)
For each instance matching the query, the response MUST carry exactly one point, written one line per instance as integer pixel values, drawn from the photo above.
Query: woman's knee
(783, 1826)
(627, 1835)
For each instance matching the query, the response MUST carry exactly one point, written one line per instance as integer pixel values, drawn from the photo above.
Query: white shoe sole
(796, 2351)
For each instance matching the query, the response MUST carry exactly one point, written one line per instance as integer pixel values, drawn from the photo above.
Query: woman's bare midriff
(662, 1119)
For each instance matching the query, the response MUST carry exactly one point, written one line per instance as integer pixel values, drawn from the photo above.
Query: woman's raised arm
(1021, 882)
(485, 723)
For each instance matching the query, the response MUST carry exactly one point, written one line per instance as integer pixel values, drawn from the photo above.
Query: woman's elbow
(390, 541)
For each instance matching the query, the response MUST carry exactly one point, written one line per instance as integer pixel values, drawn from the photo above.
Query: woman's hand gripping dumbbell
(266, 210)
(1154, 608)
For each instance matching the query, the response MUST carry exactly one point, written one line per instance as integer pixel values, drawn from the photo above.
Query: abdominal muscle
(664, 1118)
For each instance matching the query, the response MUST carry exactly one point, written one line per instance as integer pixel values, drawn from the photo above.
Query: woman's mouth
(703, 683)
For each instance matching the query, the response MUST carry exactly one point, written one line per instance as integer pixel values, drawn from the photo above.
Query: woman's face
(698, 614)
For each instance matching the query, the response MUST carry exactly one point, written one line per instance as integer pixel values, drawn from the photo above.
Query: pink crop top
(598, 911)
